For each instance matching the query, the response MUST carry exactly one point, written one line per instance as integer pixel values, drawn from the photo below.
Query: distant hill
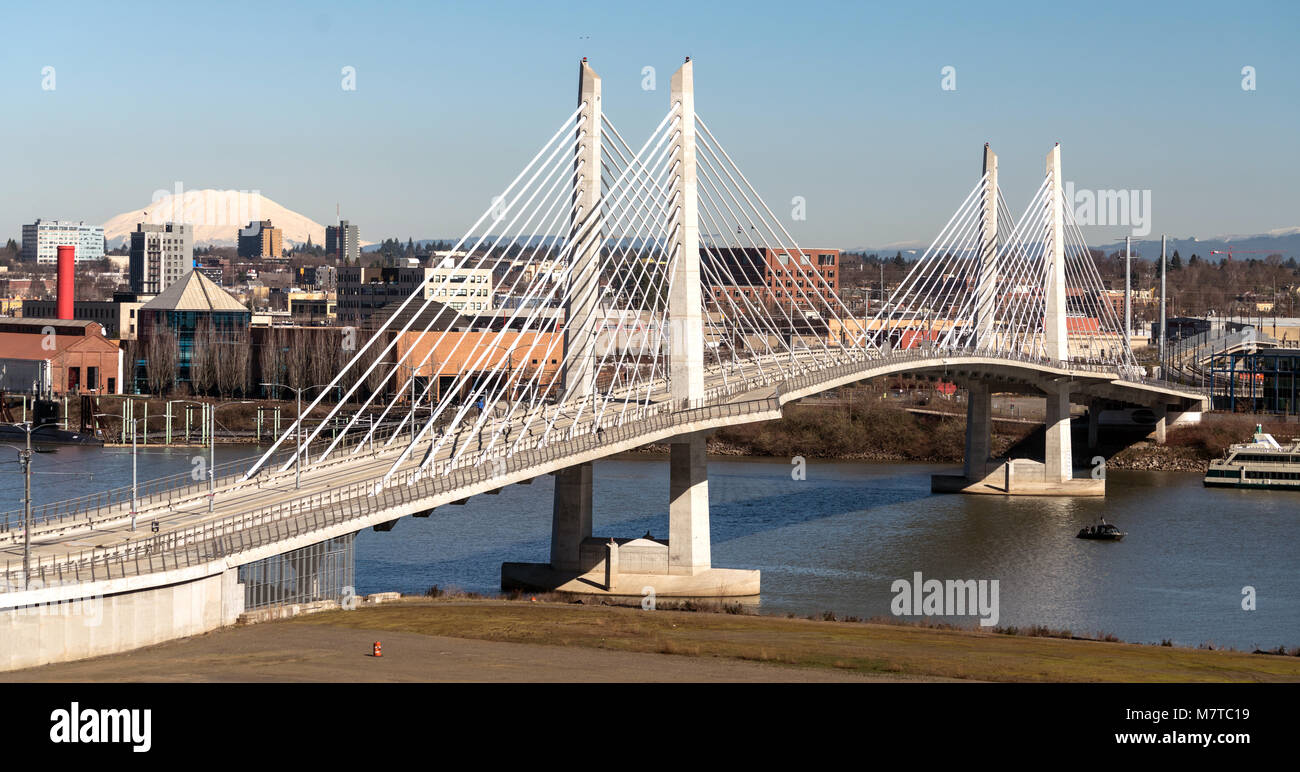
(217, 216)
(1283, 241)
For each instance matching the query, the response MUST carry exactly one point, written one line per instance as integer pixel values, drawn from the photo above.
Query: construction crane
(1230, 252)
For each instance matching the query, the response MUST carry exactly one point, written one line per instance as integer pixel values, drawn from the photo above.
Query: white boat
(1262, 463)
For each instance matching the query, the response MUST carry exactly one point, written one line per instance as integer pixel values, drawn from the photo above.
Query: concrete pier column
(986, 286)
(1094, 410)
(685, 298)
(571, 516)
(979, 420)
(1057, 343)
(1057, 455)
(582, 291)
(571, 512)
(1162, 423)
(688, 509)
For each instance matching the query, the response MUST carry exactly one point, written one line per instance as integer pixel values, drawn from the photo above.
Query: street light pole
(134, 508)
(297, 430)
(212, 456)
(26, 456)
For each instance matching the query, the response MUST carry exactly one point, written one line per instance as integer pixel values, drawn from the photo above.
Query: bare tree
(162, 354)
(271, 358)
(131, 353)
(297, 359)
(234, 360)
(324, 357)
(203, 359)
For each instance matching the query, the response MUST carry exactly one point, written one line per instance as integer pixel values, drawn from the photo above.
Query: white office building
(160, 256)
(42, 239)
(467, 290)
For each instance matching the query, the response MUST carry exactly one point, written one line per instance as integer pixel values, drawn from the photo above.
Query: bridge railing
(149, 493)
(235, 534)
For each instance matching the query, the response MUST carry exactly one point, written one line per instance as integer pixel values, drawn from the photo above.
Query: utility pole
(1128, 289)
(1163, 332)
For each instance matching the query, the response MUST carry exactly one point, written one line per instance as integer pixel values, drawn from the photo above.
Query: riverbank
(552, 640)
(887, 431)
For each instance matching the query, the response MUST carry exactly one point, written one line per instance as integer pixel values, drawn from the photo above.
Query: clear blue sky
(837, 102)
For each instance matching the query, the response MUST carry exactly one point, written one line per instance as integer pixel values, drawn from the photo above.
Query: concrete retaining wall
(94, 626)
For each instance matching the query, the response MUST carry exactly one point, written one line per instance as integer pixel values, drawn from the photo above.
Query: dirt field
(499, 640)
(287, 652)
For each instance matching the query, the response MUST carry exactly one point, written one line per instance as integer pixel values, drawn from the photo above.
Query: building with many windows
(1266, 380)
(187, 309)
(42, 239)
(117, 316)
(762, 276)
(160, 256)
(260, 239)
(363, 291)
(343, 241)
(465, 290)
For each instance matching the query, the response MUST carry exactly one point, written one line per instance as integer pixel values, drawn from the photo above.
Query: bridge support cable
(570, 246)
(556, 170)
(1109, 324)
(753, 259)
(1025, 304)
(529, 297)
(621, 273)
(531, 241)
(724, 180)
(567, 126)
(582, 241)
(828, 298)
(910, 302)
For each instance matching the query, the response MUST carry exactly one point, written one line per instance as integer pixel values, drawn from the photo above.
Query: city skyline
(857, 118)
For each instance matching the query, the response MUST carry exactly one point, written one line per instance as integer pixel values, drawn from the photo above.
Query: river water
(837, 541)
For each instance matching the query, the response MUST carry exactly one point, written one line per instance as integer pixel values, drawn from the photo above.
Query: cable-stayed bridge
(640, 293)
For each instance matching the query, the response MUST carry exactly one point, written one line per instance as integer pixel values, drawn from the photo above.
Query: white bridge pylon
(992, 285)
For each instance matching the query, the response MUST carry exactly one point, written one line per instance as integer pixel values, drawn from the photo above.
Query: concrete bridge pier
(979, 430)
(1054, 476)
(1058, 456)
(570, 517)
(688, 507)
(679, 566)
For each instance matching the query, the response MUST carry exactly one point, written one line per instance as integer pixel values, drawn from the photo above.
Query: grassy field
(847, 646)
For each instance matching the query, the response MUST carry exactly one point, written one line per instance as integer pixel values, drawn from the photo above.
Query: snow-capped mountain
(217, 216)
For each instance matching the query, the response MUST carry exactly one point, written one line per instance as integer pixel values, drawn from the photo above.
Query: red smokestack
(67, 267)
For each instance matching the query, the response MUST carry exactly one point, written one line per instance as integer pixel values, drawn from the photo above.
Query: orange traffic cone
(379, 650)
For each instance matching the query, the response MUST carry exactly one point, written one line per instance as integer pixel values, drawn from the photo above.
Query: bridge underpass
(633, 241)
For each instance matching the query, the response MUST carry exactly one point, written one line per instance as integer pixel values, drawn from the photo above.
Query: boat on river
(1262, 463)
